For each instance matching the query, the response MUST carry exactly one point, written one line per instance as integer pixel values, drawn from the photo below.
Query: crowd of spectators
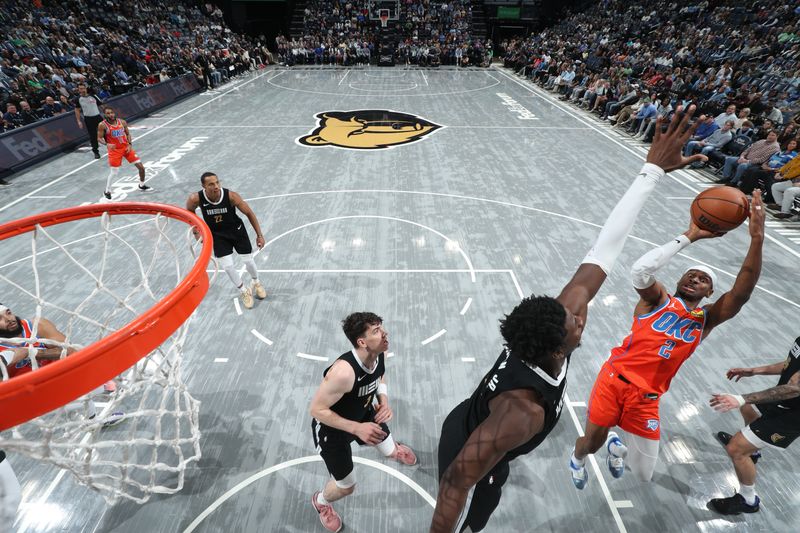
(738, 61)
(48, 47)
(425, 33)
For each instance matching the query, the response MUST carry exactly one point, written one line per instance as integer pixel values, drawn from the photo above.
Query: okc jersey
(115, 135)
(24, 366)
(658, 344)
(510, 373)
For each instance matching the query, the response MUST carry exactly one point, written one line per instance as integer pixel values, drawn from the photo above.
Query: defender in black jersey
(518, 402)
(773, 421)
(344, 410)
(218, 207)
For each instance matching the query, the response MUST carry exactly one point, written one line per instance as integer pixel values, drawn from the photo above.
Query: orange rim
(50, 387)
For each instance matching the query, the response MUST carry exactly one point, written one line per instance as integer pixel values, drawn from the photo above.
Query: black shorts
(776, 427)
(225, 243)
(334, 446)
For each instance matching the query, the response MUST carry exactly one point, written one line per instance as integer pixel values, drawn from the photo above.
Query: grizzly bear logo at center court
(367, 129)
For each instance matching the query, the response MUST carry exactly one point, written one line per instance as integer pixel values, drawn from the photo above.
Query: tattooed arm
(726, 402)
(515, 418)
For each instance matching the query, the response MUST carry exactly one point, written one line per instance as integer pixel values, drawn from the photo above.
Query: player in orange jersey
(114, 133)
(665, 332)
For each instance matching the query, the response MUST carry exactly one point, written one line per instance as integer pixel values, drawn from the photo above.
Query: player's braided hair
(535, 330)
(357, 324)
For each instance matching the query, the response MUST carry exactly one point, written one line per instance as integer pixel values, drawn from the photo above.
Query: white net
(134, 436)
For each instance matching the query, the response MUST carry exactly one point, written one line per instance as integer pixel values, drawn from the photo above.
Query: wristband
(8, 355)
(653, 172)
(739, 398)
(383, 389)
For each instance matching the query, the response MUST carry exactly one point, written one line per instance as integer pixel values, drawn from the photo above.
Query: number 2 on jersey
(217, 219)
(666, 350)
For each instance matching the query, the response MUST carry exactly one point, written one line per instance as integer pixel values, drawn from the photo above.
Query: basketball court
(490, 191)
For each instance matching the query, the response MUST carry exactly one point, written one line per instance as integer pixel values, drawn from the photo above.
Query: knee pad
(226, 261)
(347, 483)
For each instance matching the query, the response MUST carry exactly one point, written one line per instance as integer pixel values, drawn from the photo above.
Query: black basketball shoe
(734, 505)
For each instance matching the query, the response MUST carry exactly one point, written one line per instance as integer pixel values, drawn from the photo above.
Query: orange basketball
(720, 209)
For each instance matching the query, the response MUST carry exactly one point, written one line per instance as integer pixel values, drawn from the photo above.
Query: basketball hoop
(383, 15)
(137, 317)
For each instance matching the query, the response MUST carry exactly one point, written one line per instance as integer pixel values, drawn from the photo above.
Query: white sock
(112, 175)
(321, 499)
(748, 492)
(387, 446)
(576, 461)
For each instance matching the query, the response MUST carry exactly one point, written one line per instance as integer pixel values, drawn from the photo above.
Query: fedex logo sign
(38, 141)
(682, 329)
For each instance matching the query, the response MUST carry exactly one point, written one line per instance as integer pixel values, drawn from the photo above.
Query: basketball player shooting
(667, 329)
(518, 402)
(113, 132)
(218, 207)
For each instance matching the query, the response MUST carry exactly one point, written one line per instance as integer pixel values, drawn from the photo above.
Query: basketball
(720, 209)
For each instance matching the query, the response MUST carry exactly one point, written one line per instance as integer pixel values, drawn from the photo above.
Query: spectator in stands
(629, 98)
(728, 114)
(747, 129)
(757, 153)
(665, 112)
(786, 189)
(646, 113)
(774, 114)
(789, 132)
(53, 46)
(28, 115)
(744, 113)
(706, 128)
(764, 176)
(51, 108)
(766, 128)
(715, 141)
(12, 118)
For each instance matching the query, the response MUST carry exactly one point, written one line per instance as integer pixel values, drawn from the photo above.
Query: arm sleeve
(615, 231)
(643, 270)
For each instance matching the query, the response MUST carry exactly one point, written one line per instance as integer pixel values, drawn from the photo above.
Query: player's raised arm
(730, 303)
(665, 155)
(652, 293)
(514, 419)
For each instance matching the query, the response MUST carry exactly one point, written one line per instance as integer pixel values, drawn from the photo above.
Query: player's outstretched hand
(757, 215)
(667, 148)
(695, 232)
(370, 433)
(722, 403)
(383, 413)
(738, 373)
